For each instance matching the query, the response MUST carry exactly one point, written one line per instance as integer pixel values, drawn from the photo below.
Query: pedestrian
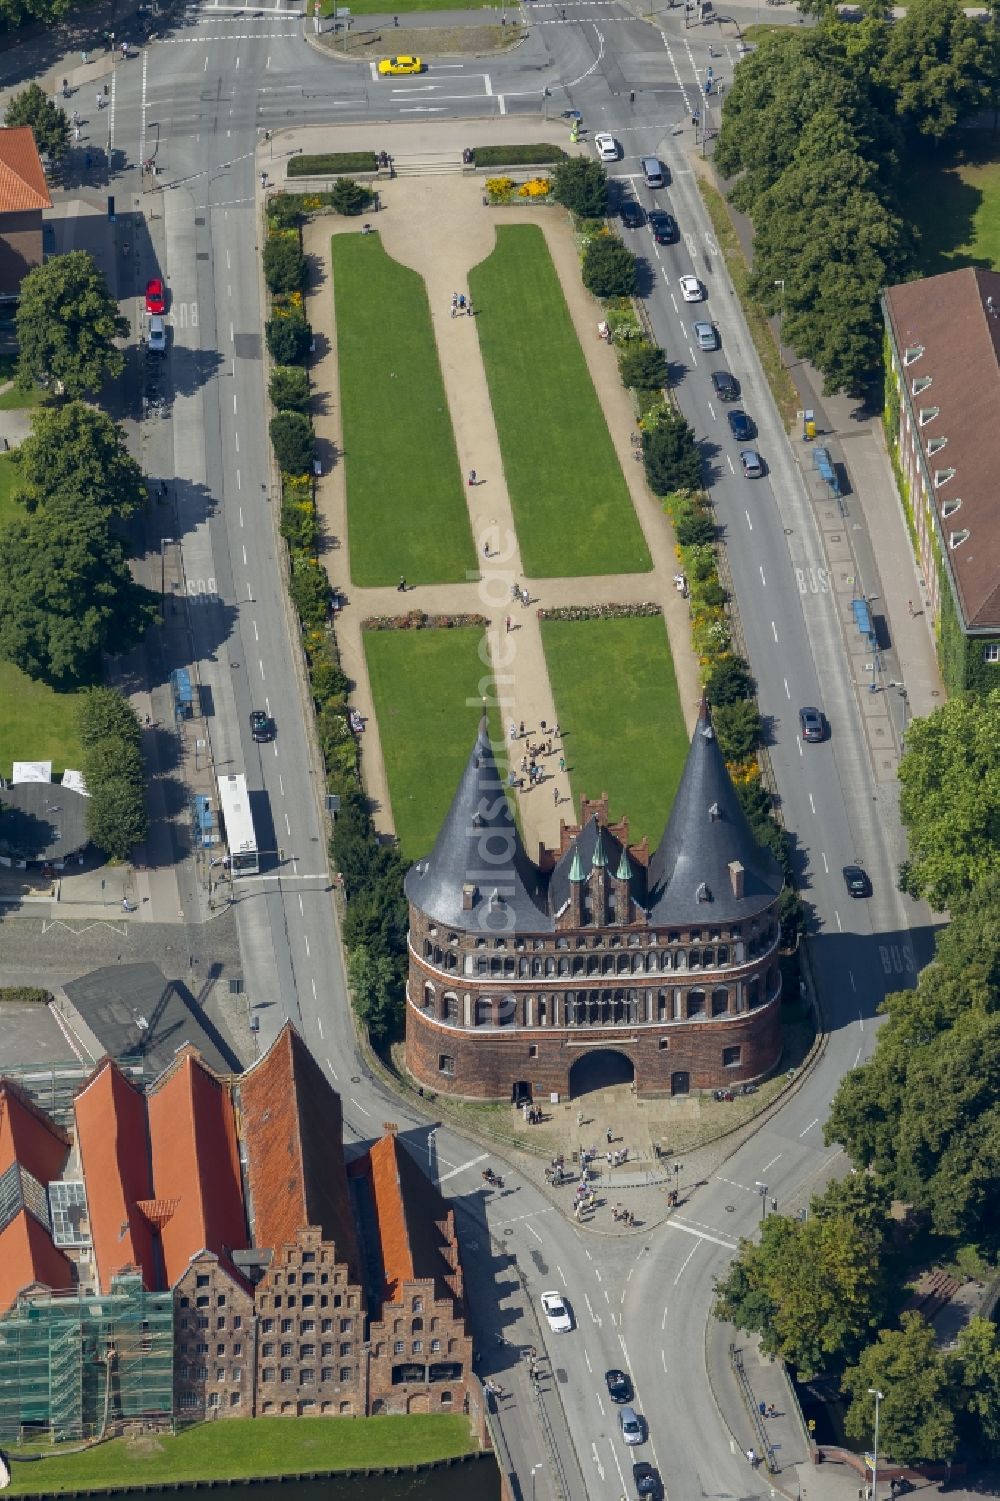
(84, 58)
(762, 1409)
(513, 730)
(515, 590)
(395, 20)
(525, 599)
(76, 132)
(909, 605)
(461, 302)
(562, 763)
(486, 549)
(524, 766)
(472, 476)
(555, 731)
(555, 796)
(610, 1135)
(521, 732)
(454, 307)
(468, 307)
(401, 586)
(508, 624)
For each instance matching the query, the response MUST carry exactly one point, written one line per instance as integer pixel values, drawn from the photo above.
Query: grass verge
(241, 1447)
(405, 8)
(36, 724)
(571, 505)
(782, 386)
(951, 195)
(620, 716)
(8, 479)
(15, 399)
(427, 687)
(406, 510)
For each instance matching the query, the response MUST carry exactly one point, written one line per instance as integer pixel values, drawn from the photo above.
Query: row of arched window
(599, 1007)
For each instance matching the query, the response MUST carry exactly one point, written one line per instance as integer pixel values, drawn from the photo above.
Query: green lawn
(952, 197)
(620, 715)
(571, 505)
(15, 398)
(427, 688)
(36, 723)
(8, 476)
(406, 510)
(263, 1446)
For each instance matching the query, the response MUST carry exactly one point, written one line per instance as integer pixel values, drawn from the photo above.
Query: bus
(237, 825)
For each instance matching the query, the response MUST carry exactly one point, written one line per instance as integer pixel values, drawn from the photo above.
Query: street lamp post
(164, 543)
(762, 1190)
(873, 1391)
(781, 321)
(534, 1468)
(678, 1169)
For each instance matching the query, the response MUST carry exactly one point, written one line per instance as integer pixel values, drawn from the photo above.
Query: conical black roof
(690, 878)
(479, 847)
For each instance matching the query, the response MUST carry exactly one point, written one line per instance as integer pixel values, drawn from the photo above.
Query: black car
(812, 725)
(740, 426)
(631, 213)
(619, 1386)
(262, 726)
(664, 227)
(647, 1480)
(726, 386)
(856, 880)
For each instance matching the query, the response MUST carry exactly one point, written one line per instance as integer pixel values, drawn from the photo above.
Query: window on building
(446, 1399)
(308, 1326)
(435, 1346)
(307, 1352)
(189, 1399)
(345, 1373)
(238, 1348)
(345, 1326)
(326, 1348)
(397, 1347)
(991, 651)
(446, 1064)
(202, 1323)
(267, 1374)
(235, 1398)
(202, 1302)
(220, 1373)
(418, 1346)
(286, 1375)
(201, 1280)
(221, 1323)
(287, 1348)
(326, 1326)
(220, 1349)
(220, 1300)
(345, 1348)
(307, 1376)
(533, 1048)
(664, 1044)
(287, 1326)
(267, 1326)
(731, 1057)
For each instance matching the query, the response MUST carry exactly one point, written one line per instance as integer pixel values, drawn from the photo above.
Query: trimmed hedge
(332, 161)
(517, 156)
(24, 995)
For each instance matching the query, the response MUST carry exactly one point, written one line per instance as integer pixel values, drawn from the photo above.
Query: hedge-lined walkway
(439, 227)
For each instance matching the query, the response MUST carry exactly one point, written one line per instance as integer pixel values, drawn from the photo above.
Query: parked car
(753, 464)
(664, 227)
(606, 147)
(631, 213)
(633, 1429)
(705, 335)
(557, 1312)
(619, 1386)
(725, 386)
(156, 301)
(691, 289)
(397, 67)
(740, 426)
(157, 336)
(857, 881)
(812, 725)
(262, 726)
(647, 1481)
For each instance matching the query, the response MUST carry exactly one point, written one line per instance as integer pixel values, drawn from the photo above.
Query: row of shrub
(518, 156)
(417, 620)
(320, 163)
(108, 729)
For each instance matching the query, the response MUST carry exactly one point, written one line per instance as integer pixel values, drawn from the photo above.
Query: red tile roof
(114, 1152)
(415, 1225)
(28, 1137)
(955, 318)
(291, 1125)
(22, 181)
(196, 1164)
(27, 1255)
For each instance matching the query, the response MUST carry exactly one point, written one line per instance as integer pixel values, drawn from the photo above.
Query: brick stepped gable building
(519, 970)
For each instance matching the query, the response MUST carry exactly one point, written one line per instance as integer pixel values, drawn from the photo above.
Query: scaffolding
(74, 1366)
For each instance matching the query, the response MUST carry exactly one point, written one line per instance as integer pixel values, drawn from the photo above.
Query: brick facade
(213, 1343)
(421, 1353)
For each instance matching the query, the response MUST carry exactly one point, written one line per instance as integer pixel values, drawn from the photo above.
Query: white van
(653, 171)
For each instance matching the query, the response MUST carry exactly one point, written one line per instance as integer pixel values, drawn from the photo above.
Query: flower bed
(416, 620)
(508, 190)
(600, 612)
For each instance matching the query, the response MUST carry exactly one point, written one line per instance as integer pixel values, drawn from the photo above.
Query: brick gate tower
(519, 970)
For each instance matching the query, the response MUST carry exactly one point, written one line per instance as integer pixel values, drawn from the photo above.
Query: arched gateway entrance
(601, 1069)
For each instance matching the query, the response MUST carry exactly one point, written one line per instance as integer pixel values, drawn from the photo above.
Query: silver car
(705, 335)
(157, 336)
(632, 1430)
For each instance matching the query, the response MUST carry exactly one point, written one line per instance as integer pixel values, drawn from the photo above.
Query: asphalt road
(199, 97)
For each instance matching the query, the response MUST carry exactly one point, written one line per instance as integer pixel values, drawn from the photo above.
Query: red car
(156, 301)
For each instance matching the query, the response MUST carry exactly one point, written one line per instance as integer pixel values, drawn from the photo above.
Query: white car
(691, 288)
(555, 1310)
(606, 146)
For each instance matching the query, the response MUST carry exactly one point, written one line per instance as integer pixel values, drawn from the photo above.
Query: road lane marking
(663, 1322)
(319, 1019)
(774, 631)
(590, 1310)
(850, 976)
(788, 691)
(601, 1405)
(808, 1128)
(315, 998)
(532, 1231)
(770, 1164)
(663, 1357)
(331, 1068)
(825, 865)
(762, 578)
(600, 1467)
(597, 1274)
(462, 1167)
(618, 1467)
(716, 1240)
(683, 1267)
(586, 1356)
(359, 1107)
(562, 1275)
(812, 805)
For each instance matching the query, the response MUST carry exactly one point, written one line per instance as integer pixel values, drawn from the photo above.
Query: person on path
(555, 796)
(401, 586)
(461, 302)
(525, 599)
(562, 763)
(509, 627)
(515, 590)
(468, 307)
(610, 1135)
(521, 731)
(513, 730)
(472, 476)
(486, 549)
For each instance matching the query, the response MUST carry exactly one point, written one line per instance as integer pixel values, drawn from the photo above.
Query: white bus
(237, 825)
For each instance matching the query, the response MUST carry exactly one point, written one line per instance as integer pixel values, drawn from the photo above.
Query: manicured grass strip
(571, 505)
(427, 687)
(951, 195)
(331, 161)
(378, 8)
(406, 510)
(15, 399)
(36, 723)
(8, 479)
(240, 1447)
(616, 698)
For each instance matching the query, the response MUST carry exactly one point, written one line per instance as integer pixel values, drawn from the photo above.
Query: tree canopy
(32, 106)
(609, 267)
(936, 66)
(581, 185)
(916, 1419)
(66, 323)
(671, 456)
(77, 452)
(950, 798)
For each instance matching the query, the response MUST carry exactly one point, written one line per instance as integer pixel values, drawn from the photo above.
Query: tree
(671, 456)
(729, 680)
(376, 992)
(66, 594)
(349, 197)
(694, 526)
(293, 441)
(106, 714)
(66, 322)
(310, 591)
(15, 13)
(813, 1291)
(116, 811)
(48, 122)
(76, 452)
(975, 1375)
(284, 263)
(935, 66)
(581, 185)
(916, 1417)
(289, 340)
(643, 366)
(950, 799)
(738, 728)
(289, 388)
(609, 269)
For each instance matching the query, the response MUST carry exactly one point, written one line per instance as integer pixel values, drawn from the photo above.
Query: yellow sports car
(393, 67)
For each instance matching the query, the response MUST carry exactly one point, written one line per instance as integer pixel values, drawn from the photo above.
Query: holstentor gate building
(663, 963)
